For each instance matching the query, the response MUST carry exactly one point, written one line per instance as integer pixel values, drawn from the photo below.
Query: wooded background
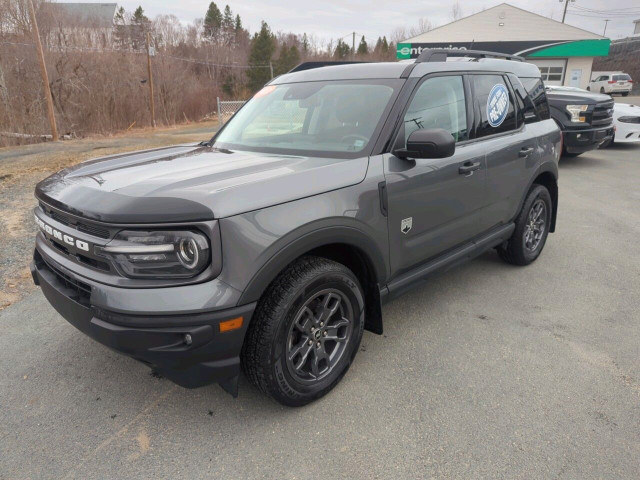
(98, 74)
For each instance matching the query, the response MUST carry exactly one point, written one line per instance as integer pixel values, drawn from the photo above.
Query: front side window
(495, 105)
(438, 103)
(332, 118)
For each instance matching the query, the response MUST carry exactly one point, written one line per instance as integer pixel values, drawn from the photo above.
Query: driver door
(436, 204)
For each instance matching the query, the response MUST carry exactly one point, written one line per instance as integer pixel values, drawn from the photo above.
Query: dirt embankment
(22, 167)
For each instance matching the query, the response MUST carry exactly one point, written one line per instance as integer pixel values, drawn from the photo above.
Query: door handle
(525, 152)
(468, 168)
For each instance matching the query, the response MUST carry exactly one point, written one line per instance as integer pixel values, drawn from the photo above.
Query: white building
(563, 53)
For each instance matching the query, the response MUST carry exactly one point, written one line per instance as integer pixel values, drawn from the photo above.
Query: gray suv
(274, 245)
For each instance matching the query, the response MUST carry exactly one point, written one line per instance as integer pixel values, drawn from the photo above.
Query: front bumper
(188, 349)
(583, 140)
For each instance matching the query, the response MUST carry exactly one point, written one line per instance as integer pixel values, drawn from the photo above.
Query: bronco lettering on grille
(63, 237)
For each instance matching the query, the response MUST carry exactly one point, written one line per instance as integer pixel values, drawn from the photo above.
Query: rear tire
(305, 332)
(532, 227)
(588, 89)
(601, 89)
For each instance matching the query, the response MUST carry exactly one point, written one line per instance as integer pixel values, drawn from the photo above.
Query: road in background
(487, 371)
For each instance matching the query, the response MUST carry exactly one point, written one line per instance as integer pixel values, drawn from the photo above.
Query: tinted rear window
(621, 77)
(535, 87)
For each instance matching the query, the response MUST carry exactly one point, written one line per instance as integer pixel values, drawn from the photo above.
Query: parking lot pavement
(487, 371)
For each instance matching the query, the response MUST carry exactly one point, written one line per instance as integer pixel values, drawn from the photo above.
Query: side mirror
(428, 143)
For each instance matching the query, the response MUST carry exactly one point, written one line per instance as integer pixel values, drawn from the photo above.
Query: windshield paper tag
(497, 105)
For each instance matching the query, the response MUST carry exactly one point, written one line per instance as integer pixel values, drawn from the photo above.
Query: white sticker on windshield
(358, 143)
(497, 105)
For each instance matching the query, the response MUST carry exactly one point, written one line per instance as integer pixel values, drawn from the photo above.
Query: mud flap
(231, 386)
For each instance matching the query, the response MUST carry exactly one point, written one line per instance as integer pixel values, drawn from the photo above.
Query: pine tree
(263, 45)
(342, 50)
(139, 18)
(212, 22)
(288, 58)
(378, 48)
(363, 48)
(227, 19)
(238, 24)
(305, 45)
(385, 45)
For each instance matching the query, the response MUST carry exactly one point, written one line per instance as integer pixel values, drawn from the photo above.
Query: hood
(584, 97)
(622, 109)
(192, 182)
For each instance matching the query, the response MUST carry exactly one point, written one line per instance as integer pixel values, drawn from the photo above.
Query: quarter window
(498, 117)
(536, 91)
(438, 103)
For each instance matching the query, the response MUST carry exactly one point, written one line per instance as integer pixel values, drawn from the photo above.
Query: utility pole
(605, 27)
(271, 68)
(566, 4)
(150, 74)
(353, 46)
(43, 71)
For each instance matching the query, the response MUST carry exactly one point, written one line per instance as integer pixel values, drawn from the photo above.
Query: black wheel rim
(319, 335)
(536, 225)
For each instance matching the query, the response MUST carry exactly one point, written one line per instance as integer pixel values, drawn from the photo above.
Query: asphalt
(487, 371)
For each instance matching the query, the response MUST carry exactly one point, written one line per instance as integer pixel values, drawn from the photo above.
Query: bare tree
(456, 11)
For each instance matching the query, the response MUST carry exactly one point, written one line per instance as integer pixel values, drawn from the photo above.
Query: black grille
(80, 291)
(602, 114)
(91, 229)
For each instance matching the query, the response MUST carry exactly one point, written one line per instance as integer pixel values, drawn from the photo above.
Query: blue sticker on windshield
(497, 105)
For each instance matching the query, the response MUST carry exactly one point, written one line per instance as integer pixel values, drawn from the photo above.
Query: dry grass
(21, 168)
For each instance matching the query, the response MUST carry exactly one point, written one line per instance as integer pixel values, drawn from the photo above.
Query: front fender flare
(292, 248)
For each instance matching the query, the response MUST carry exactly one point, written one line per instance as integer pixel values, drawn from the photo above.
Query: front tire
(532, 227)
(601, 89)
(305, 332)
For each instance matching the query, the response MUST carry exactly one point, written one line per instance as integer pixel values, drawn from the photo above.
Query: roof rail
(441, 55)
(311, 65)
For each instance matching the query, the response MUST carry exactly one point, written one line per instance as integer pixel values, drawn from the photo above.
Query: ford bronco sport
(273, 246)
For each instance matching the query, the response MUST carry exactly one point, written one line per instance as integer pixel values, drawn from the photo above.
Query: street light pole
(605, 27)
(566, 4)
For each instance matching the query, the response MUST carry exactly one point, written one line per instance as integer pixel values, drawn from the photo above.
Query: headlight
(629, 119)
(158, 254)
(575, 111)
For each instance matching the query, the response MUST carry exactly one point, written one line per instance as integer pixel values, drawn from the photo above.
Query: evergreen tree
(119, 19)
(263, 45)
(238, 24)
(378, 48)
(288, 58)
(212, 22)
(227, 19)
(139, 18)
(385, 45)
(342, 50)
(363, 48)
(305, 45)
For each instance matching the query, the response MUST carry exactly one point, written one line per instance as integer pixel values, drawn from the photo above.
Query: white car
(611, 83)
(626, 119)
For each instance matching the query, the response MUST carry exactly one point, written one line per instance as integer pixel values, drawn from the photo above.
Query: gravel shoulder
(21, 168)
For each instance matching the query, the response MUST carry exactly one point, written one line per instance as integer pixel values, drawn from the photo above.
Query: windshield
(334, 118)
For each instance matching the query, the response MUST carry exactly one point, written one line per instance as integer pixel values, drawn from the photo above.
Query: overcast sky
(372, 18)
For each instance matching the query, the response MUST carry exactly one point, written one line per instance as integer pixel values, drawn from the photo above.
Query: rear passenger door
(511, 149)
(435, 204)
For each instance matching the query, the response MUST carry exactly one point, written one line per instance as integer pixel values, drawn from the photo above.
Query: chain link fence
(226, 109)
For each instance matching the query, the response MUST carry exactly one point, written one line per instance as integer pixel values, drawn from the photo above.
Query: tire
(601, 89)
(277, 357)
(588, 89)
(517, 250)
(624, 94)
